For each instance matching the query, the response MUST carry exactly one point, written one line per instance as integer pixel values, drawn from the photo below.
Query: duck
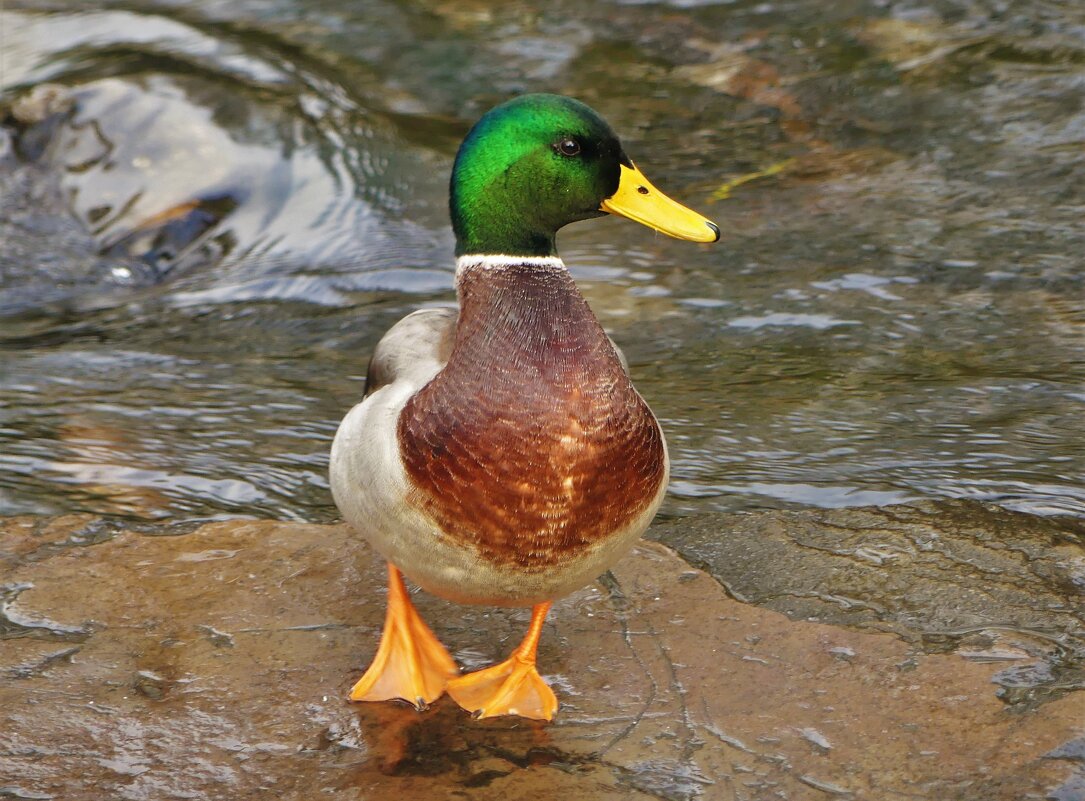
(500, 454)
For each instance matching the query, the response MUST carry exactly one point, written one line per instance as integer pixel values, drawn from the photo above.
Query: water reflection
(212, 220)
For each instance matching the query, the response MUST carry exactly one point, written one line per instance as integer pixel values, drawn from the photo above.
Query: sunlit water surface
(233, 201)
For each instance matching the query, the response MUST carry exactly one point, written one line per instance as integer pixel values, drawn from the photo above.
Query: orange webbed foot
(410, 662)
(512, 687)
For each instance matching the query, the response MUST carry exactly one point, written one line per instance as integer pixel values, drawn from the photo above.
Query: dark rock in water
(216, 663)
(36, 115)
(58, 263)
(113, 188)
(49, 262)
(48, 258)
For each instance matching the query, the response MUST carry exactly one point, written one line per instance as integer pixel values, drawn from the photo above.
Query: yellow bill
(638, 200)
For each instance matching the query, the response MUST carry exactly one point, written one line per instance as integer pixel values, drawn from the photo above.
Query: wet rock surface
(212, 662)
(987, 583)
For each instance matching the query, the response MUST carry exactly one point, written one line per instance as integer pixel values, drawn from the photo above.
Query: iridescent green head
(539, 162)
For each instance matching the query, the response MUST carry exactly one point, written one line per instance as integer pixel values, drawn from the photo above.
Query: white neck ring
(496, 260)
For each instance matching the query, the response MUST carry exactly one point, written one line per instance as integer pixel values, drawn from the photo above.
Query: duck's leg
(410, 662)
(512, 687)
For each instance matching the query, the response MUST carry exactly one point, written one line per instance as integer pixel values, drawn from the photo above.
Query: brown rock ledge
(213, 664)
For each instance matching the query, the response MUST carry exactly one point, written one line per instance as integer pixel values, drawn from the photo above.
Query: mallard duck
(501, 455)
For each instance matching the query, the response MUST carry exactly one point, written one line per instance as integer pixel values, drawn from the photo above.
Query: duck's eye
(568, 147)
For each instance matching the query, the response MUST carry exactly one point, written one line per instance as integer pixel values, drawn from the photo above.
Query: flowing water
(210, 212)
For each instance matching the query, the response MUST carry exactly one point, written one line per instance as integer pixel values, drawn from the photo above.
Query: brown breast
(531, 443)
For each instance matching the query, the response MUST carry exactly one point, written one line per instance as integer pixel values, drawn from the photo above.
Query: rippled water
(233, 201)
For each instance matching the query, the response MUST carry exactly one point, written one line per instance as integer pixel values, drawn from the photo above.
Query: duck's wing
(620, 355)
(415, 344)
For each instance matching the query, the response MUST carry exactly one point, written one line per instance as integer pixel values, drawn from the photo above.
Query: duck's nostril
(643, 190)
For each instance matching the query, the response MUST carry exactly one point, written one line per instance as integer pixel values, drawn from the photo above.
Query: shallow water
(199, 250)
